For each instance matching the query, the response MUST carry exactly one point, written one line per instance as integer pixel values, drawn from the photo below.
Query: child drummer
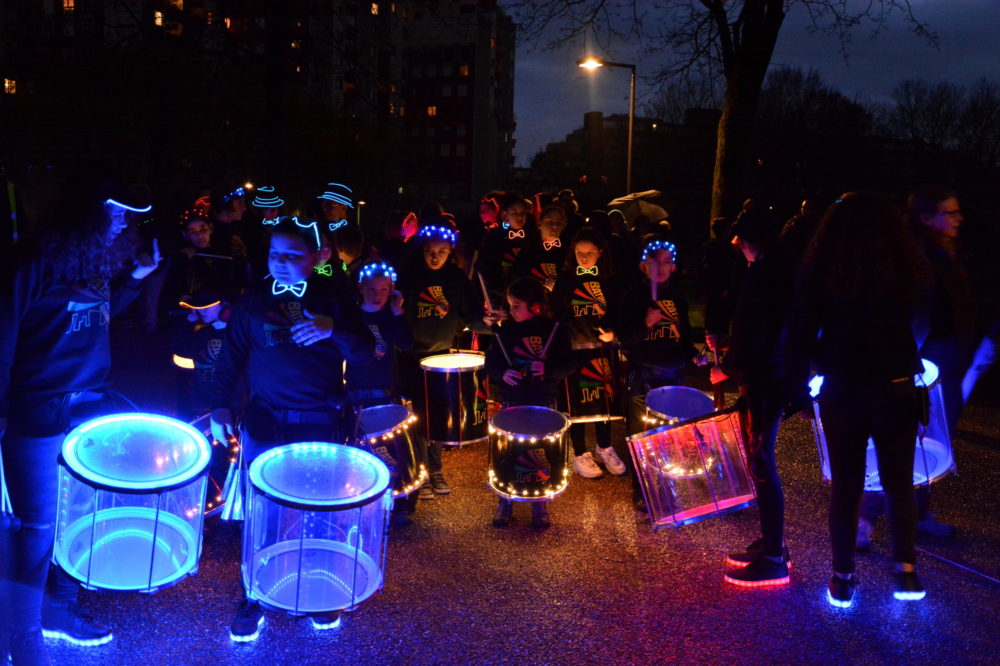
(282, 331)
(527, 361)
(656, 333)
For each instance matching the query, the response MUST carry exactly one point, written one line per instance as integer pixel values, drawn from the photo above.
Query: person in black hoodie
(755, 359)
(539, 359)
(290, 335)
(438, 300)
(503, 244)
(56, 305)
(545, 253)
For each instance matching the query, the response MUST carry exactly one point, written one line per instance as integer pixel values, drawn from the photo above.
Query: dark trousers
(412, 377)
(760, 421)
(888, 414)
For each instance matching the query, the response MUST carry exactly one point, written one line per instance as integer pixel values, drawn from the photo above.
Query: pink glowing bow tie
(548, 245)
(515, 234)
(580, 270)
(298, 289)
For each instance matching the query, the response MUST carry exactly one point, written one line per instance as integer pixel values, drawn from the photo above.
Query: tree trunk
(753, 39)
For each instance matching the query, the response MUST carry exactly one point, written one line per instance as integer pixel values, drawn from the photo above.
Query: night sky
(551, 93)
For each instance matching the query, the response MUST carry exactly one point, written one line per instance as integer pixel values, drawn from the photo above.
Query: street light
(360, 204)
(593, 63)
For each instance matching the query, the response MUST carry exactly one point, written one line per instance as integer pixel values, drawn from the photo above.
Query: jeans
(760, 421)
(887, 413)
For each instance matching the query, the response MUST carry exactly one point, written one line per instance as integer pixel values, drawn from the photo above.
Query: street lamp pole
(593, 63)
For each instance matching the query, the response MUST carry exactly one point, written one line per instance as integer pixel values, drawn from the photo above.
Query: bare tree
(733, 38)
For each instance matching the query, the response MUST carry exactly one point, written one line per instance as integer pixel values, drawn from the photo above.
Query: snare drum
(384, 430)
(693, 470)
(454, 398)
(672, 404)
(131, 502)
(591, 391)
(529, 454)
(314, 540)
(933, 458)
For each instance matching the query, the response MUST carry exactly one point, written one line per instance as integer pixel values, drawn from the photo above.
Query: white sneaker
(585, 466)
(608, 456)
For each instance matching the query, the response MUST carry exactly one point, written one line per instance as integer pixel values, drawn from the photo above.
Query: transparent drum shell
(317, 520)
(693, 470)
(131, 502)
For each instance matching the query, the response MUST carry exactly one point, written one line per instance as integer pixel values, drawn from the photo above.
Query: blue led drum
(131, 502)
(315, 537)
(933, 458)
(672, 404)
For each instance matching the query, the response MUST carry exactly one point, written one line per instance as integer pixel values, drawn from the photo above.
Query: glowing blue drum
(933, 458)
(315, 537)
(672, 404)
(131, 502)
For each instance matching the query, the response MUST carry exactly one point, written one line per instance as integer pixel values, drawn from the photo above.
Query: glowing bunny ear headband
(437, 233)
(653, 246)
(381, 269)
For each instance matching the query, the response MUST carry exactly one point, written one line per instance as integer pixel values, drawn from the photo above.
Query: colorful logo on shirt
(595, 382)
(480, 403)
(431, 302)
(588, 300)
(380, 346)
(544, 271)
(668, 327)
(92, 310)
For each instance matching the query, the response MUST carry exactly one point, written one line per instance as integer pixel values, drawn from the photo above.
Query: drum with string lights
(529, 454)
(131, 502)
(386, 432)
(455, 400)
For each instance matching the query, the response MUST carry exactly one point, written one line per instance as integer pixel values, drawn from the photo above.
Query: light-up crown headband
(432, 232)
(338, 193)
(238, 193)
(653, 246)
(381, 269)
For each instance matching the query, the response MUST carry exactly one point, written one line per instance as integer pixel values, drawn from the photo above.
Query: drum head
(319, 474)
(457, 362)
(381, 419)
(136, 451)
(529, 421)
(678, 403)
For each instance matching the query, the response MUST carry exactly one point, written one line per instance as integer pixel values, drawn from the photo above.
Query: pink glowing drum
(933, 458)
(693, 470)
(529, 453)
(454, 398)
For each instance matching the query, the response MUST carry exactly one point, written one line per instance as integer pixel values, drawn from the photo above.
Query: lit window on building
(298, 69)
(158, 18)
(392, 109)
(177, 4)
(228, 23)
(374, 9)
(432, 111)
(9, 87)
(209, 18)
(69, 5)
(296, 44)
(392, 7)
(402, 111)
(463, 70)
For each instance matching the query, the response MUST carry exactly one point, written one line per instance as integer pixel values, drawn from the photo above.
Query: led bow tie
(515, 234)
(298, 289)
(580, 270)
(325, 269)
(548, 245)
(338, 224)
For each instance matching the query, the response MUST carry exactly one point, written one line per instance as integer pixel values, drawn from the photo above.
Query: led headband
(654, 246)
(381, 269)
(119, 204)
(437, 233)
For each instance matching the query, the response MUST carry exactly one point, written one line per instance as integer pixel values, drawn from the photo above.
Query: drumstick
(503, 349)
(652, 280)
(472, 262)
(552, 334)
(486, 293)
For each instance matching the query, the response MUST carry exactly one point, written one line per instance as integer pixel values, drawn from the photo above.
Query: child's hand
(550, 284)
(396, 302)
(494, 316)
(512, 377)
(222, 425)
(606, 336)
(653, 315)
(537, 368)
(312, 330)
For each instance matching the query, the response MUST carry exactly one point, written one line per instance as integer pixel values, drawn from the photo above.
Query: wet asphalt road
(598, 587)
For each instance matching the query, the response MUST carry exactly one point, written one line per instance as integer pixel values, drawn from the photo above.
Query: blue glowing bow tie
(337, 225)
(515, 234)
(548, 245)
(325, 269)
(580, 270)
(298, 289)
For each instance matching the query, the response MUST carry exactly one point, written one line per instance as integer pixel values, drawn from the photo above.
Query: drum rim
(554, 433)
(369, 435)
(679, 424)
(687, 390)
(383, 481)
(481, 357)
(72, 463)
